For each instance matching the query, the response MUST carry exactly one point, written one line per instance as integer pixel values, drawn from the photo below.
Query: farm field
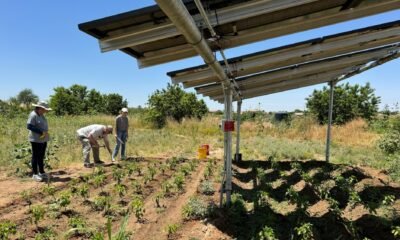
(162, 192)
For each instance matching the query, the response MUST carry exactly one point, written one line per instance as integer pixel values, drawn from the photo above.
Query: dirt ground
(339, 201)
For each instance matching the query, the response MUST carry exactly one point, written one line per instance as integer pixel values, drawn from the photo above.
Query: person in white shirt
(89, 137)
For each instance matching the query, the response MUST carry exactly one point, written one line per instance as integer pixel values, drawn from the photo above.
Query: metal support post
(238, 155)
(328, 133)
(228, 145)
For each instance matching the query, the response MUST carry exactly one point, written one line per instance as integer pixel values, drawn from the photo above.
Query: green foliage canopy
(78, 100)
(27, 97)
(349, 102)
(175, 103)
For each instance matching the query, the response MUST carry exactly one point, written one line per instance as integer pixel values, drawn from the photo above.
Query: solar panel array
(148, 35)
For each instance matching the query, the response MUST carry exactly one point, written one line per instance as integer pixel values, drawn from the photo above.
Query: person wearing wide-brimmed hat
(121, 135)
(38, 137)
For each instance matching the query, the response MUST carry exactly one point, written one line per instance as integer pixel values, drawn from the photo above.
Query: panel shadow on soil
(308, 200)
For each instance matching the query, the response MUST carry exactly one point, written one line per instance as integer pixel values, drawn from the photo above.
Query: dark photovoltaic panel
(298, 53)
(306, 74)
(148, 35)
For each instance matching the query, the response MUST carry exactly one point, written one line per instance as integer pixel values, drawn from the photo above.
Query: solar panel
(148, 35)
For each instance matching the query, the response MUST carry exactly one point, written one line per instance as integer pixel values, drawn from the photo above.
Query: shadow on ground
(308, 200)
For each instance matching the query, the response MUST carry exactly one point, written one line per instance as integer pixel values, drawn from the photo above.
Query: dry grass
(303, 139)
(352, 134)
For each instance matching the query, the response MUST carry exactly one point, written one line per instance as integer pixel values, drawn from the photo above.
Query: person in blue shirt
(38, 137)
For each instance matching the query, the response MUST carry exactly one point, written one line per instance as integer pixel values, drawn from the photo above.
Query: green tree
(349, 102)
(113, 103)
(63, 102)
(174, 103)
(95, 102)
(78, 100)
(27, 97)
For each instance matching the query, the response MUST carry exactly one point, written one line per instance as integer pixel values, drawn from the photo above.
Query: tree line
(75, 100)
(171, 102)
(350, 102)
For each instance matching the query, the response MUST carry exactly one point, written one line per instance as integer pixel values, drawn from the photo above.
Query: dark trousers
(38, 152)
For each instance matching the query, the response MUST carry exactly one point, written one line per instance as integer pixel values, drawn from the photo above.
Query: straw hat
(42, 104)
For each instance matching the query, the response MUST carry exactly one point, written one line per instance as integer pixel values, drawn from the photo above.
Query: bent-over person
(89, 137)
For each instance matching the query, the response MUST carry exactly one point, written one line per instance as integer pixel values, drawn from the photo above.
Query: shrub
(195, 208)
(206, 188)
(389, 143)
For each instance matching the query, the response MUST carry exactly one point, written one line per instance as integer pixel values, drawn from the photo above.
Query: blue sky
(42, 48)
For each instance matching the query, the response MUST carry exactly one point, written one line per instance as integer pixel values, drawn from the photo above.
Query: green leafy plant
(208, 171)
(389, 143)
(99, 180)
(76, 222)
(166, 188)
(137, 206)
(118, 174)
(50, 190)
(260, 175)
(132, 168)
(122, 234)
(146, 178)
(102, 203)
(120, 189)
(83, 191)
(267, 233)
(354, 198)
(37, 213)
(185, 169)
(163, 167)
(7, 228)
(304, 231)
(157, 199)
(179, 181)
(396, 231)
(296, 166)
(172, 229)
(152, 172)
(137, 187)
(47, 234)
(388, 200)
(206, 187)
(64, 199)
(195, 208)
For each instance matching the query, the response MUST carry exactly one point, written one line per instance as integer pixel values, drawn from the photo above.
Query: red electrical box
(229, 126)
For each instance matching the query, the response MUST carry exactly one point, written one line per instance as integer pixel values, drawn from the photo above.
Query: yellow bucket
(202, 153)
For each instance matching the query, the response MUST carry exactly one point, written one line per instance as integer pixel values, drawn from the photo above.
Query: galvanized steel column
(238, 118)
(328, 132)
(228, 145)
